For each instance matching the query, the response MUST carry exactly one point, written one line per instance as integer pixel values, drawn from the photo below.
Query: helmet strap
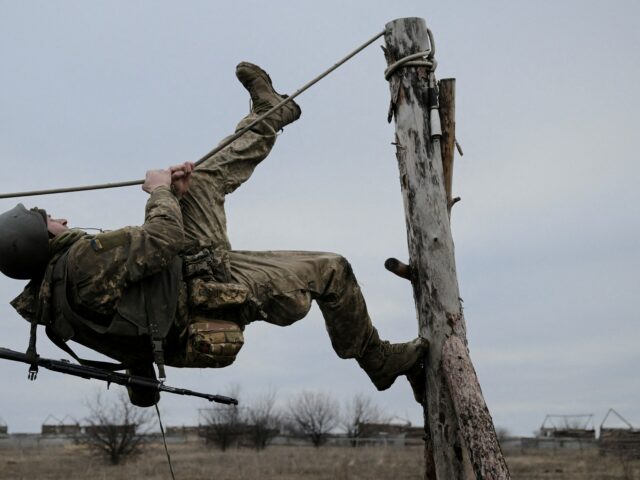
(32, 354)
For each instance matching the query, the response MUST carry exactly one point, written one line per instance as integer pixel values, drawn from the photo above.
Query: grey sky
(547, 232)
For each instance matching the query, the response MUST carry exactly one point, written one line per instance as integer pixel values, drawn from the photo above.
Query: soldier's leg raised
(205, 222)
(284, 283)
(203, 207)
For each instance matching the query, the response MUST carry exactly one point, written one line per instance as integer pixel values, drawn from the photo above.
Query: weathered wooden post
(461, 440)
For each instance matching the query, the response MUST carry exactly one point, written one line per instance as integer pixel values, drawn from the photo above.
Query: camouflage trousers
(282, 283)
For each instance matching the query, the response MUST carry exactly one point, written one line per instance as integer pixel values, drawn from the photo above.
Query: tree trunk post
(447, 108)
(460, 440)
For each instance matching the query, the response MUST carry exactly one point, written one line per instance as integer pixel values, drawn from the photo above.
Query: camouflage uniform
(282, 283)
(116, 291)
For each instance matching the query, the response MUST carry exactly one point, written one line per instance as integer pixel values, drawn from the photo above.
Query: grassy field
(193, 462)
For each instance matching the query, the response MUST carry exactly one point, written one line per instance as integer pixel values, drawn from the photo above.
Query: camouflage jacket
(100, 268)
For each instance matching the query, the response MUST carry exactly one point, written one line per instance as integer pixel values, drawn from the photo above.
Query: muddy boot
(384, 361)
(264, 97)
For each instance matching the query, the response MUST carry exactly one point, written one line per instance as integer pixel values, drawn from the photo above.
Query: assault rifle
(83, 371)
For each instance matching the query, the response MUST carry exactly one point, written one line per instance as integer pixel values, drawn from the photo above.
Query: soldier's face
(56, 226)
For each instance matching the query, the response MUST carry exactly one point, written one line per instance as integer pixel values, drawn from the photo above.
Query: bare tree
(503, 434)
(116, 430)
(264, 420)
(314, 415)
(224, 425)
(358, 411)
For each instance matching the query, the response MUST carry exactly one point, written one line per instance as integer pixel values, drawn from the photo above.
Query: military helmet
(24, 242)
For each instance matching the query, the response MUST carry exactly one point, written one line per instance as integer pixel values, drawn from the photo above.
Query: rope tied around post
(420, 59)
(411, 61)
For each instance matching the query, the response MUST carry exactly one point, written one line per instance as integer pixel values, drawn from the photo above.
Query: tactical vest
(136, 332)
(147, 310)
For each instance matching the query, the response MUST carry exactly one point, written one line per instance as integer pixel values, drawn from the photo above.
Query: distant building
(129, 428)
(396, 434)
(585, 434)
(621, 442)
(183, 431)
(372, 430)
(68, 426)
(578, 427)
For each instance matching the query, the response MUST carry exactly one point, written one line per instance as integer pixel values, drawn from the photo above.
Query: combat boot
(384, 361)
(264, 97)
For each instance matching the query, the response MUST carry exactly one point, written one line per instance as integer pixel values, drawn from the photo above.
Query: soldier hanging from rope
(173, 292)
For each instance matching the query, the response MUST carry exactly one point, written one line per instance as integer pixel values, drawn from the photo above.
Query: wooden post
(461, 441)
(447, 104)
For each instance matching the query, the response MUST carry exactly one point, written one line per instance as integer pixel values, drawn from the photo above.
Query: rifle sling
(112, 367)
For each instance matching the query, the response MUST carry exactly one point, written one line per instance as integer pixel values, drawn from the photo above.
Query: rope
(164, 440)
(410, 61)
(426, 57)
(217, 149)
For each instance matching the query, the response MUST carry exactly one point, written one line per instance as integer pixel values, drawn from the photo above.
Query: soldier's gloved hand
(156, 178)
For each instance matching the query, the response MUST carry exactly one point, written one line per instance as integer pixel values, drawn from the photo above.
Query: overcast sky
(546, 234)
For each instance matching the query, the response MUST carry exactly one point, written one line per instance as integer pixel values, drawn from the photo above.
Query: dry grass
(587, 465)
(193, 461)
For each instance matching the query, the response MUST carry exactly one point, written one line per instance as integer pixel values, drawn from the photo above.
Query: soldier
(173, 291)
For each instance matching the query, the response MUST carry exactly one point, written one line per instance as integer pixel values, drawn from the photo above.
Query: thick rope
(420, 59)
(411, 61)
(217, 149)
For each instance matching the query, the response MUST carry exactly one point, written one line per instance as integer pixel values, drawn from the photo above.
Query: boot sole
(256, 71)
(384, 384)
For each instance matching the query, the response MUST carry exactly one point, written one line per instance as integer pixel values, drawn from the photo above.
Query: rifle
(83, 371)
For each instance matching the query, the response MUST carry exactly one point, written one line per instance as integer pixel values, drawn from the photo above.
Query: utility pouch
(206, 272)
(211, 295)
(205, 262)
(212, 344)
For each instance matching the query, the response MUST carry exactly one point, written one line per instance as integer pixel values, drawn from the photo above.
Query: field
(193, 461)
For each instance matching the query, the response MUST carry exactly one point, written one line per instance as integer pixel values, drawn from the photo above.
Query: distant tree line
(117, 430)
(310, 415)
